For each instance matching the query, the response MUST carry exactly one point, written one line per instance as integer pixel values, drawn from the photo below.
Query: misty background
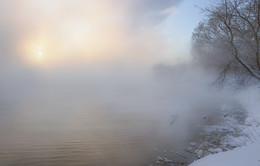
(100, 82)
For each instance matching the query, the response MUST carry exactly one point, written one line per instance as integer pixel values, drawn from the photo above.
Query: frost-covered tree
(229, 38)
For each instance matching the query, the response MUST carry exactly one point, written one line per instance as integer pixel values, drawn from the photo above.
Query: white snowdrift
(247, 155)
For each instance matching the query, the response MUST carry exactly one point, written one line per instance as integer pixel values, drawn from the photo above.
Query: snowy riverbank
(247, 154)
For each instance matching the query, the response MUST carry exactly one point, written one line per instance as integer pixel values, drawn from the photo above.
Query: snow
(193, 144)
(248, 154)
(163, 160)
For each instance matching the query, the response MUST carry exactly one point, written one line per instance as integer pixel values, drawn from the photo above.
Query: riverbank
(248, 154)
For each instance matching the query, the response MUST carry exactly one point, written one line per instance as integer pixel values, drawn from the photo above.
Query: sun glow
(33, 50)
(83, 32)
(84, 37)
(72, 42)
(40, 55)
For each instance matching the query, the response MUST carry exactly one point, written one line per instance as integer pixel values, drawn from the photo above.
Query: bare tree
(229, 38)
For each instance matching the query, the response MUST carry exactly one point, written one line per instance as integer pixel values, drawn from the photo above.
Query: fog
(84, 32)
(79, 84)
(109, 115)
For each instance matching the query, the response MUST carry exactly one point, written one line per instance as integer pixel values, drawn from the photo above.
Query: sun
(40, 55)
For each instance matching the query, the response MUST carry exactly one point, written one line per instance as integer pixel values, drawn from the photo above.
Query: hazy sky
(56, 32)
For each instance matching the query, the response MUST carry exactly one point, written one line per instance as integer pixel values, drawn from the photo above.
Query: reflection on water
(51, 133)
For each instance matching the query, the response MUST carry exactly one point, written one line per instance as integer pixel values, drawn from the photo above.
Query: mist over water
(79, 84)
(77, 118)
(99, 116)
